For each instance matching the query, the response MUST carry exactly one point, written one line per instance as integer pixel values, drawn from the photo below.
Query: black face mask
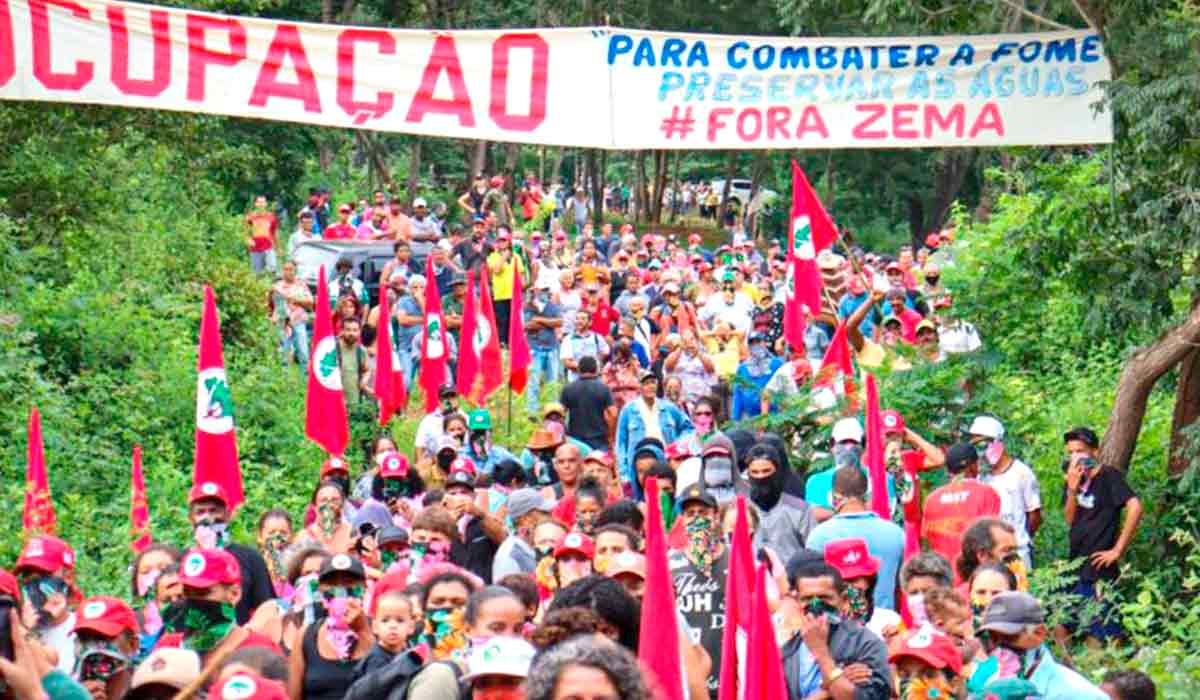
(37, 590)
(394, 489)
(932, 280)
(444, 459)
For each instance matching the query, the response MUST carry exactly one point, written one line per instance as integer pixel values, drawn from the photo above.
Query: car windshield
(310, 258)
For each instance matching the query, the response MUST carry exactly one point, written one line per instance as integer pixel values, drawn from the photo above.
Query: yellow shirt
(751, 291)
(725, 359)
(875, 355)
(502, 282)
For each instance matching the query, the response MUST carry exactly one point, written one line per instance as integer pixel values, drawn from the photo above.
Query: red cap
(464, 464)
(334, 464)
(893, 266)
(47, 554)
(208, 489)
(694, 238)
(851, 558)
(856, 285)
(105, 616)
(393, 465)
(705, 266)
(599, 456)
(503, 236)
(8, 585)
(625, 228)
(576, 542)
(345, 208)
(892, 421)
(205, 568)
(931, 647)
(933, 240)
(679, 450)
(247, 685)
(496, 181)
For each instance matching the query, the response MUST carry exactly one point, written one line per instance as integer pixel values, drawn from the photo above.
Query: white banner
(593, 87)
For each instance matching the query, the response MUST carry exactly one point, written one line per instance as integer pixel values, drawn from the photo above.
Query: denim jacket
(631, 429)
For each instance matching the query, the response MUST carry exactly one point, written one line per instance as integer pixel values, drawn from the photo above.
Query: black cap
(341, 564)
(460, 478)
(647, 377)
(390, 534)
(1085, 435)
(696, 492)
(447, 390)
(959, 456)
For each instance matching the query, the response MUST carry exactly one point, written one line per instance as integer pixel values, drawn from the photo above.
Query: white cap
(501, 656)
(419, 202)
(986, 426)
(848, 429)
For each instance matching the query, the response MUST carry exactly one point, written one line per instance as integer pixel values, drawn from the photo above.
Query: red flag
(876, 470)
(793, 311)
(811, 231)
(519, 358)
(764, 667)
(835, 378)
(735, 637)
(911, 499)
(390, 391)
(658, 651)
(809, 218)
(325, 421)
(216, 455)
(139, 510)
(488, 351)
(435, 349)
(39, 518)
(468, 346)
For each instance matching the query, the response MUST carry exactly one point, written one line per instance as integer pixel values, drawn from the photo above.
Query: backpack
(392, 681)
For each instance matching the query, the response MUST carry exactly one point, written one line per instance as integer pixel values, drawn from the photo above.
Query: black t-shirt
(586, 401)
(479, 551)
(1097, 521)
(701, 599)
(467, 254)
(256, 581)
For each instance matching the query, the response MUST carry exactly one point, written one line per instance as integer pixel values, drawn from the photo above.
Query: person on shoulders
(50, 612)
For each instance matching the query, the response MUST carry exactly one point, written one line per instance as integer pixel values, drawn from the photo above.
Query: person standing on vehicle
(472, 200)
(261, 227)
(425, 231)
(342, 230)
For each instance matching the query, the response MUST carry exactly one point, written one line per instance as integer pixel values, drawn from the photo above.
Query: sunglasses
(702, 413)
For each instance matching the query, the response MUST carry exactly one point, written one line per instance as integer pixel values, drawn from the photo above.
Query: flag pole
(510, 411)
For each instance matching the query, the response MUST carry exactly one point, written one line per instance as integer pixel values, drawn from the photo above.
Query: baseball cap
(959, 456)
(697, 493)
(501, 656)
(851, 558)
(390, 534)
(524, 501)
(47, 554)
(393, 465)
(166, 666)
(334, 464)
(479, 219)
(419, 202)
(560, 235)
(464, 464)
(893, 267)
(446, 442)
(718, 445)
(105, 616)
(575, 542)
(931, 647)
(479, 419)
(680, 449)
(460, 478)
(1011, 611)
(647, 377)
(247, 685)
(848, 429)
(208, 490)
(987, 426)
(205, 568)
(341, 564)
(503, 236)
(8, 585)
(892, 421)
(346, 208)
(447, 390)
(553, 407)
(601, 457)
(670, 287)
(925, 324)
(627, 563)
(1085, 435)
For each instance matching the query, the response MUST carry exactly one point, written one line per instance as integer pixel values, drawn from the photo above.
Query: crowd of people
(459, 566)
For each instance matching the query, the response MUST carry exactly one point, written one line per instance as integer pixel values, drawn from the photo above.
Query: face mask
(933, 280)
(718, 471)
(327, 518)
(304, 598)
(925, 689)
(203, 623)
(99, 660)
(444, 633)
(394, 489)
(994, 452)
(336, 630)
(543, 298)
(444, 459)
(211, 535)
(702, 544)
(586, 523)
(857, 599)
(916, 608)
(703, 422)
(146, 583)
(759, 351)
(543, 552)
(817, 607)
(40, 589)
(388, 557)
(846, 454)
(977, 609)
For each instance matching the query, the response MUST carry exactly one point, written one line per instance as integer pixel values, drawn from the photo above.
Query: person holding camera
(1093, 498)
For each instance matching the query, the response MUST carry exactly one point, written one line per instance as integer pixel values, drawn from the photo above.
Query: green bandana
(203, 623)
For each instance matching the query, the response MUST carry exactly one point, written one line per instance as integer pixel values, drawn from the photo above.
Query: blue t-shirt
(884, 538)
(818, 490)
(542, 338)
(409, 306)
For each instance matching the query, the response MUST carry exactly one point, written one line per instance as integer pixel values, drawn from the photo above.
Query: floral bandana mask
(99, 660)
(702, 544)
(445, 633)
(274, 549)
(327, 518)
(336, 630)
(925, 689)
(858, 604)
(147, 585)
(203, 623)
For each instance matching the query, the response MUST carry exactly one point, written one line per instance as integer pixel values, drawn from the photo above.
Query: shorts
(1106, 625)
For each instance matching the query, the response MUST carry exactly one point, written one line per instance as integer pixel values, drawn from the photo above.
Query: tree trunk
(951, 175)
(1142, 370)
(414, 168)
(1187, 411)
(660, 186)
(916, 219)
(676, 185)
(327, 11)
(478, 160)
(595, 190)
(598, 196)
(556, 171)
(730, 171)
(639, 196)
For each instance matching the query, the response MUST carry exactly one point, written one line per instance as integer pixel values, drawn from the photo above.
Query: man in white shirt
(730, 306)
(1020, 495)
(582, 342)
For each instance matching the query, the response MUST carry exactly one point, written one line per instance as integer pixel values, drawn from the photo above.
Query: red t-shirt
(263, 225)
(339, 232)
(603, 317)
(951, 509)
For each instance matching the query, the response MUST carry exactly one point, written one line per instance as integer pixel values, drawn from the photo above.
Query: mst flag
(139, 509)
(519, 358)
(738, 591)
(435, 349)
(811, 231)
(835, 378)
(468, 349)
(325, 421)
(38, 518)
(658, 653)
(390, 391)
(764, 668)
(487, 344)
(876, 469)
(216, 457)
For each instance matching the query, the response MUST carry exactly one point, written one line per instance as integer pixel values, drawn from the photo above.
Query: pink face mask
(994, 451)
(703, 423)
(146, 581)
